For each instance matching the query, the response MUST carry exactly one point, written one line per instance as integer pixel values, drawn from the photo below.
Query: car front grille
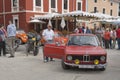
(85, 58)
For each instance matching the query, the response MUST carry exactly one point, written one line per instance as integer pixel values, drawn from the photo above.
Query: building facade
(103, 6)
(109, 7)
(21, 11)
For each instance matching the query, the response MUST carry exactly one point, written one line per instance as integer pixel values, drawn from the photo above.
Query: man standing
(11, 30)
(118, 37)
(48, 35)
(3, 36)
(107, 38)
(99, 34)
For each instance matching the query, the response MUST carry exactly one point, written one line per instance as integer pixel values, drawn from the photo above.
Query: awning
(72, 14)
(111, 21)
(103, 16)
(36, 21)
(47, 16)
(116, 22)
(79, 15)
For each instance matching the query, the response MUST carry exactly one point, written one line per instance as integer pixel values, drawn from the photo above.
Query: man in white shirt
(48, 35)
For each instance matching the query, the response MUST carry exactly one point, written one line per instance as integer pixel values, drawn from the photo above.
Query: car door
(54, 51)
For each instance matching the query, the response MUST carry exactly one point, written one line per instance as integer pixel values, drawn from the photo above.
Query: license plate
(33, 39)
(86, 66)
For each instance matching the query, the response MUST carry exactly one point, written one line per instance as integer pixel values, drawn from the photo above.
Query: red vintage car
(81, 50)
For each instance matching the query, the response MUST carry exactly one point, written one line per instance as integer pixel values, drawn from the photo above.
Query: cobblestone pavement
(31, 67)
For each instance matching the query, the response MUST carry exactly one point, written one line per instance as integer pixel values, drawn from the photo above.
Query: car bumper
(89, 66)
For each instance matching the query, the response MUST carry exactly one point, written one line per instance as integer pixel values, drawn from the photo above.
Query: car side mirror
(57, 43)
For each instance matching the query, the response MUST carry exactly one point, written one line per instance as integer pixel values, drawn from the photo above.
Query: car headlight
(69, 57)
(102, 58)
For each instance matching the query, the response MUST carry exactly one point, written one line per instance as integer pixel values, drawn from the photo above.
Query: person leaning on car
(48, 35)
(11, 30)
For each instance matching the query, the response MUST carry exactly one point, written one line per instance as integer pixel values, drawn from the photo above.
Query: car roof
(19, 30)
(82, 34)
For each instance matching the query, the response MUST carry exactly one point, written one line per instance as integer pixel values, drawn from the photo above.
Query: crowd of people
(108, 37)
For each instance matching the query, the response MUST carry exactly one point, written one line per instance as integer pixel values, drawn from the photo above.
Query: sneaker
(52, 60)
(118, 49)
(4, 55)
(11, 57)
(45, 61)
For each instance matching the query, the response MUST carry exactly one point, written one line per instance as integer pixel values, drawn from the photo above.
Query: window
(16, 21)
(38, 5)
(95, 9)
(52, 6)
(95, 1)
(103, 10)
(111, 12)
(111, 4)
(79, 5)
(15, 5)
(65, 4)
(53, 3)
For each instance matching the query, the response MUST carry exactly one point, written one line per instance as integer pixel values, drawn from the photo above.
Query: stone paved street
(31, 67)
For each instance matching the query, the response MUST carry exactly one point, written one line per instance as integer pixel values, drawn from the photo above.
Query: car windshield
(83, 40)
(58, 35)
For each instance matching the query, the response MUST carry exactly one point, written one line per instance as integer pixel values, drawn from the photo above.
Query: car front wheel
(64, 66)
(102, 69)
(20, 41)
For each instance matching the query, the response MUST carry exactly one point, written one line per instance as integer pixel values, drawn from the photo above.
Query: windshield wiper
(72, 44)
(75, 44)
(89, 44)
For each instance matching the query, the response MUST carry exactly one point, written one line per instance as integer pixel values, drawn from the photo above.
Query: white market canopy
(36, 21)
(103, 16)
(78, 13)
(47, 16)
(117, 21)
(111, 21)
